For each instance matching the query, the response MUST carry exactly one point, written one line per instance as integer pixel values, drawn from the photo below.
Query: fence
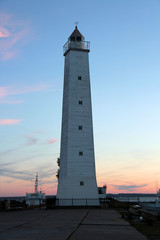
(77, 202)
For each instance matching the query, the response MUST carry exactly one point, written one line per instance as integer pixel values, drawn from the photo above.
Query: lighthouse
(77, 184)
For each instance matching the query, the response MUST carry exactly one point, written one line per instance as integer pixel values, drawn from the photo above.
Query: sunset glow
(125, 83)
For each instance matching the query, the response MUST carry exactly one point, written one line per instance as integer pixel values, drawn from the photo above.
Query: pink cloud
(4, 18)
(6, 91)
(13, 35)
(4, 32)
(8, 55)
(51, 141)
(10, 90)
(3, 91)
(9, 121)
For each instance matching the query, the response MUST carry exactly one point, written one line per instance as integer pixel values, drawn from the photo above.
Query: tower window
(73, 39)
(79, 78)
(78, 38)
(81, 183)
(80, 127)
(80, 102)
(80, 153)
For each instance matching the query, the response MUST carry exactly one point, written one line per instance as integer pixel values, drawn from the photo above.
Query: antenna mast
(36, 184)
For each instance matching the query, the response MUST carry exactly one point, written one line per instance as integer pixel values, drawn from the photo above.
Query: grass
(149, 227)
(150, 230)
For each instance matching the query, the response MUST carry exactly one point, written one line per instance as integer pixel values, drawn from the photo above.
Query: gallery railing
(71, 45)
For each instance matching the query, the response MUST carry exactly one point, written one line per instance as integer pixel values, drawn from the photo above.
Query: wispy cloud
(13, 35)
(22, 174)
(7, 151)
(27, 175)
(21, 160)
(9, 121)
(31, 140)
(9, 55)
(6, 91)
(12, 90)
(4, 32)
(51, 141)
(10, 101)
(129, 187)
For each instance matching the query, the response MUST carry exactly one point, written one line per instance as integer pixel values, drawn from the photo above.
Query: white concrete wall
(75, 168)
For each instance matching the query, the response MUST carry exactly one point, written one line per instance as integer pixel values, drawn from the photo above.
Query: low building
(102, 192)
(35, 199)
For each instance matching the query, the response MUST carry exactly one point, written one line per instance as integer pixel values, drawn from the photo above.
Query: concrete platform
(66, 224)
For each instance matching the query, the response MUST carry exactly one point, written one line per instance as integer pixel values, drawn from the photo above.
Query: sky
(125, 85)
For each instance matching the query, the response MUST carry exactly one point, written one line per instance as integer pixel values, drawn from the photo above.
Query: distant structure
(153, 205)
(102, 192)
(37, 198)
(77, 184)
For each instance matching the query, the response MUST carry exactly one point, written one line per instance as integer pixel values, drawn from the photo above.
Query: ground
(66, 224)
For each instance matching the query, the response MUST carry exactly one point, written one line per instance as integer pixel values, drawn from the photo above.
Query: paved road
(66, 224)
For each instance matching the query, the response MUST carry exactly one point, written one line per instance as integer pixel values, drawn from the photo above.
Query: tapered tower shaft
(77, 179)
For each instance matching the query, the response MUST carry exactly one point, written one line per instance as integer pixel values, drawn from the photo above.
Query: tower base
(77, 191)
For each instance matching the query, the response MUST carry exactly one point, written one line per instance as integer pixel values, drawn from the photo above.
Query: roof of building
(76, 33)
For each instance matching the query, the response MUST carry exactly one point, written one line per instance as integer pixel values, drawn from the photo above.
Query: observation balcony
(76, 46)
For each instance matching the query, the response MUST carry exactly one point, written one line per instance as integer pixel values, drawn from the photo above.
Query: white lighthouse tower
(77, 184)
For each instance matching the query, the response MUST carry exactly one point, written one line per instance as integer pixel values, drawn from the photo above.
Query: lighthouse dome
(76, 42)
(76, 36)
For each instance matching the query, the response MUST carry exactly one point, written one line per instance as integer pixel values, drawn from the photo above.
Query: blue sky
(125, 81)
